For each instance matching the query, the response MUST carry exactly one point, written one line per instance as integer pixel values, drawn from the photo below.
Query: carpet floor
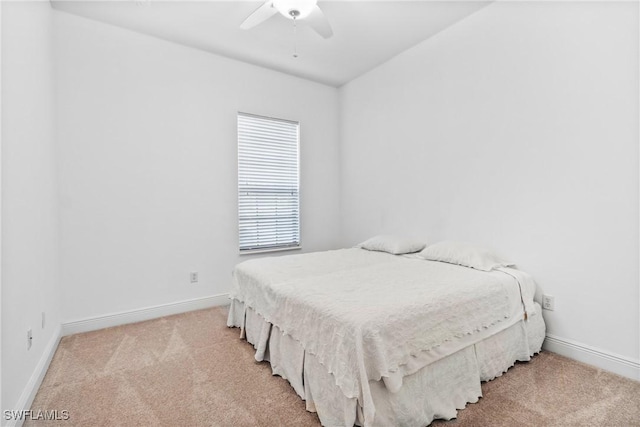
(191, 370)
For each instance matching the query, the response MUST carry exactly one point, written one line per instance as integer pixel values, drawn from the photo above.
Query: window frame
(283, 247)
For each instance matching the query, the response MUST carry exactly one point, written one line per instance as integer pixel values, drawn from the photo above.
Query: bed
(373, 338)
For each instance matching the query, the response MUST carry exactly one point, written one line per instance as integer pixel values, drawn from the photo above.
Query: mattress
(373, 318)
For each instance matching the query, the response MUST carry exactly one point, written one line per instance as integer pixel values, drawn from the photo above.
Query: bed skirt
(436, 391)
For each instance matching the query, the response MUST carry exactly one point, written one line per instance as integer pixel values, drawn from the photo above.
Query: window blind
(268, 183)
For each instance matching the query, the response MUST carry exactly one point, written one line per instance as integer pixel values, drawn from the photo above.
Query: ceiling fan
(306, 10)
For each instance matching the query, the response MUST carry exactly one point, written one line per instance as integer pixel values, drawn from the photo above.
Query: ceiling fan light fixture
(294, 9)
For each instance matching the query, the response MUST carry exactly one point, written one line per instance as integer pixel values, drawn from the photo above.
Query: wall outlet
(29, 338)
(548, 302)
(193, 277)
(43, 320)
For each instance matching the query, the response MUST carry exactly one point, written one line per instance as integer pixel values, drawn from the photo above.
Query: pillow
(464, 254)
(395, 245)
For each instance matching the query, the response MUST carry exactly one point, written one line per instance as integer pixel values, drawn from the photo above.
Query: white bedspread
(366, 315)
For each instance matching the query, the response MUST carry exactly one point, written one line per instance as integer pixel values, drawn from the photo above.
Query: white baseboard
(603, 359)
(141, 314)
(32, 387)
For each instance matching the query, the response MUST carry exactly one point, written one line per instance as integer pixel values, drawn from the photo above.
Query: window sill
(263, 251)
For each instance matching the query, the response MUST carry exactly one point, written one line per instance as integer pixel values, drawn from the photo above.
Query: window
(268, 183)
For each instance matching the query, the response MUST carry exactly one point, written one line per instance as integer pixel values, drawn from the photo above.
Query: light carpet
(191, 370)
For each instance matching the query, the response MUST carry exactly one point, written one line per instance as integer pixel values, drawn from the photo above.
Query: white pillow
(464, 254)
(396, 245)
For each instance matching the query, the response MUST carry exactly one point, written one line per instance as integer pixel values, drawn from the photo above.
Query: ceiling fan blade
(260, 15)
(319, 22)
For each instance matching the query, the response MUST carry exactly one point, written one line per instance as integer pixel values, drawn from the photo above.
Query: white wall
(516, 128)
(147, 155)
(29, 199)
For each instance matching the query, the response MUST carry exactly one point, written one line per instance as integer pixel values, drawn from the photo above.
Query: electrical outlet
(43, 320)
(548, 302)
(29, 338)
(193, 276)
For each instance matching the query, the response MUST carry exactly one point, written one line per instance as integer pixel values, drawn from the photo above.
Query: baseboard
(608, 361)
(141, 314)
(32, 387)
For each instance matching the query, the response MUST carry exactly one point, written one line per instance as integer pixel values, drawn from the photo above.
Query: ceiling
(366, 33)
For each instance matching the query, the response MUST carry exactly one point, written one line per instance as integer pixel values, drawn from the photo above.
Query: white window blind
(268, 183)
